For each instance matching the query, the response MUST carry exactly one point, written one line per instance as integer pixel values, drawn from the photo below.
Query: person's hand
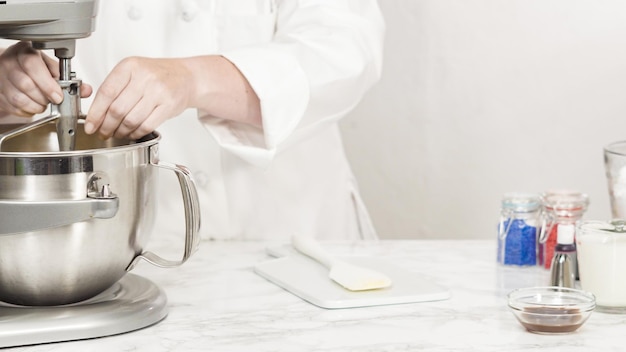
(137, 96)
(28, 81)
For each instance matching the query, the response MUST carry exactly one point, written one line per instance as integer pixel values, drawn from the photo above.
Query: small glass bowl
(552, 309)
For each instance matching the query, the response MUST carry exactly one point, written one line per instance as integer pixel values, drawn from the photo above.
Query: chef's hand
(28, 81)
(141, 93)
(137, 96)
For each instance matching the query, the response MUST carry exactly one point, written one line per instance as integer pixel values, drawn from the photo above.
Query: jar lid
(567, 200)
(521, 202)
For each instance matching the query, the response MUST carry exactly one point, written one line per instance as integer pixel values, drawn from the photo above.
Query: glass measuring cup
(601, 250)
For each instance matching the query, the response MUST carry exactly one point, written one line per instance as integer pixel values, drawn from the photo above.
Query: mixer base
(132, 303)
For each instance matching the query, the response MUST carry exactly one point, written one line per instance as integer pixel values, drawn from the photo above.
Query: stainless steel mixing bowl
(73, 223)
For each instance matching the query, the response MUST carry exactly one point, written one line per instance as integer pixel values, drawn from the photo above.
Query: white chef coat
(309, 62)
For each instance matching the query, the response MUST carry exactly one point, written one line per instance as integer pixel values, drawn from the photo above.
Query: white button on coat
(190, 9)
(132, 10)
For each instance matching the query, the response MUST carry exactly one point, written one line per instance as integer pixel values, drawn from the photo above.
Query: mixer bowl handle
(192, 216)
(24, 216)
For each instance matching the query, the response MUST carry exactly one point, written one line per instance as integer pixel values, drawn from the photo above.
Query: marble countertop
(217, 303)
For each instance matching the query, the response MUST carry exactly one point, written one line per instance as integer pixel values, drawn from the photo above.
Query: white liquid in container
(602, 264)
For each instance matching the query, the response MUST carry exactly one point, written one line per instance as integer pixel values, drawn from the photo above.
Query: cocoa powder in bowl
(555, 320)
(551, 310)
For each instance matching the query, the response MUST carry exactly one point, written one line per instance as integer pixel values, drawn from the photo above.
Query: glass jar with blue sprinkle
(518, 229)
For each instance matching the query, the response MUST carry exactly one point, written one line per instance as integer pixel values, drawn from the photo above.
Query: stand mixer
(43, 177)
(52, 24)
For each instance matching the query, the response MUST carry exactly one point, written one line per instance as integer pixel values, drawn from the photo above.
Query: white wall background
(483, 97)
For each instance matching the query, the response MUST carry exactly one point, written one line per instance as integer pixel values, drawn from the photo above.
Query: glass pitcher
(601, 248)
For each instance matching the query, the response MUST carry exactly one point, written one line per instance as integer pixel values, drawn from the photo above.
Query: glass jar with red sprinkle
(559, 207)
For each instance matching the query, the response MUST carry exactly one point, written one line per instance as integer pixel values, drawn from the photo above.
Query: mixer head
(52, 24)
(49, 24)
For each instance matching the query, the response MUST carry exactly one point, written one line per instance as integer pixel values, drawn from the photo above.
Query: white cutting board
(309, 280)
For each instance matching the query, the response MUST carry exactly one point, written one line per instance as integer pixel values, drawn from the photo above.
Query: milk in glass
(602, 262)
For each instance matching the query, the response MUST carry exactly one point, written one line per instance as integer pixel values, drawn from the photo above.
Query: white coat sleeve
(323, 56)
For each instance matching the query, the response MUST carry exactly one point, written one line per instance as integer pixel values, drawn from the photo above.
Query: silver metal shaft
(69, 109)
(65, 69)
